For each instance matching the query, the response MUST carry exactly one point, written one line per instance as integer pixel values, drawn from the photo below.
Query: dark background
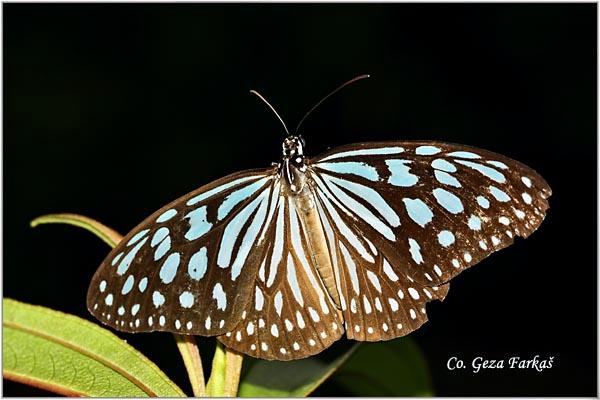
(114, 110)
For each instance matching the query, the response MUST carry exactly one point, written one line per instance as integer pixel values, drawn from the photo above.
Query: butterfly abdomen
(317, 242)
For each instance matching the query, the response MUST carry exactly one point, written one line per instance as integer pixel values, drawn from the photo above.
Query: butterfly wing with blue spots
(291, 314)
(190, 266)
(403, 218)
(397, 220)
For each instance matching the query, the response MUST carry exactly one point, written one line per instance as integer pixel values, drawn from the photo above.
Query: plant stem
(225, 375)
(108, 235)
(188, 347)
(233, 368)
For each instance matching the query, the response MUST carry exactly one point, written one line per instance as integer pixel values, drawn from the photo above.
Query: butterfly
(278, 263)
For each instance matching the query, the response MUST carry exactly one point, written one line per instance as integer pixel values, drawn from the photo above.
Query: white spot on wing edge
(413, 293)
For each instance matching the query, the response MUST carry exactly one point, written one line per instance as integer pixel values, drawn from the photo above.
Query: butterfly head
(293, 165)
(293, 146)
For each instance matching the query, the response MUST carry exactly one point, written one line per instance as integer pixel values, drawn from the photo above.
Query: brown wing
(433, 209)
(291, 315)
(190, 266)
(403, 218)
(379, 301)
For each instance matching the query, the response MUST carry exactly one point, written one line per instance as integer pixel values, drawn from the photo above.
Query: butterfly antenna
(272, 109)
(358, 78)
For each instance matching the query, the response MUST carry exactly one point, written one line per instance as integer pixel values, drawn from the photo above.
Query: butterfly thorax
(293, 165)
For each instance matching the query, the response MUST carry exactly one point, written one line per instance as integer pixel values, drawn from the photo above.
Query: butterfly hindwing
(433, 209)
(190, 266)
(379, 301)
(290, 315)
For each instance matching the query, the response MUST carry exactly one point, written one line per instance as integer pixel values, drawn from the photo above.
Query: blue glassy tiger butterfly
(279, 262)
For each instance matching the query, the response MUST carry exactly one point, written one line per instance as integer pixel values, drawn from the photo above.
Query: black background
(114, 110)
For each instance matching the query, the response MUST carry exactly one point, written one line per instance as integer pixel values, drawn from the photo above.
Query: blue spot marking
(448, 200)
(293, 280)
(400, 175)
(198, 223)
(219, 295)
(167, 215)
(218, 189)
(446, 179)
(197, 264)
(128, 285)
(463, 154)
(162, 249)
(109, 299)
(169, 268)
(427, 150)
(124, 265)
(116, 259)
(415, 250)
(485, 170)
(360, 210)
(186, 299)
(250, 237)
(498, 164)
(137, 237)
(159, 235)
(418, 211)
(483, 202)
(372, 197)
(143, 284)
(352, 167)
(158, 299)
(231, 232)
(446, 238)
(365, 152)
(443, 165)
(238, 196)
(475, 223)
(499, 194)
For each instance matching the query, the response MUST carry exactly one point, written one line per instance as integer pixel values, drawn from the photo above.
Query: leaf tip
(36, 221)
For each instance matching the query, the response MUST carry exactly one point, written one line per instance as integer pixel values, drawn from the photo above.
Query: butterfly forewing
(432, 209)
(190, 266)
(290, 315)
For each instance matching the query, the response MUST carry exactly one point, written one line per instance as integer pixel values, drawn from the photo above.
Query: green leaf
(68, 355)
(108, 235)
(393, 368)
(186, 345)
(296, 378)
